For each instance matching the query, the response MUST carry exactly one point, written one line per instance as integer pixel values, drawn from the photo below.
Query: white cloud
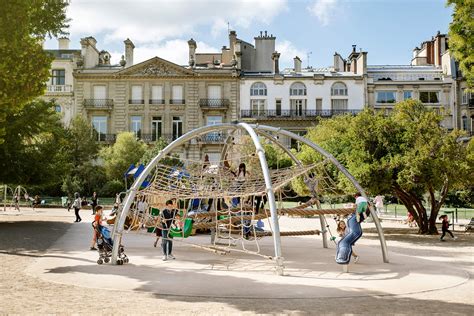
(145, 21)
(287, 52)
(324, 10)
(174, 50)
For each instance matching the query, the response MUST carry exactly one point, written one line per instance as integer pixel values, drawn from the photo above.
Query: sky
(311, 29)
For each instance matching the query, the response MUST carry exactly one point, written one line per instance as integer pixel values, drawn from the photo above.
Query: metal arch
(118, 228)
(270, 195)
(322, 218)
(341, 168)
(121, 217)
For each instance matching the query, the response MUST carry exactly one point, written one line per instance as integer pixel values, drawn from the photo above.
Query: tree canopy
(32, 149)
(407, 154)
(24, 66)
(117, 158)
(461, 37)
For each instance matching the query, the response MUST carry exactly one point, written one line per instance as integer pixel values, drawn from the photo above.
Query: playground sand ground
(25, 238)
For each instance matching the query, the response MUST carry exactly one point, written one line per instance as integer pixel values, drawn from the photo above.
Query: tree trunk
(415, 207)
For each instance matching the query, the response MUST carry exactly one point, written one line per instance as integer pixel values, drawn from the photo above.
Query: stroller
(105, 245)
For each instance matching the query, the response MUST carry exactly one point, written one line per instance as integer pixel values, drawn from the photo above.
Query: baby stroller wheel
(126, 260)
(106, 260)
(100, 261)
(119, 262)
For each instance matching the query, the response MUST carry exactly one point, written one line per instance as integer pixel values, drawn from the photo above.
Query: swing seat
(185, 232)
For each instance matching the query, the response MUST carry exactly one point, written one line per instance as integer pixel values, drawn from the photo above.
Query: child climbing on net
(342, 230)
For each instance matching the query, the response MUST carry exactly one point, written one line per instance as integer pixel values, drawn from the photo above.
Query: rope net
(227, 198)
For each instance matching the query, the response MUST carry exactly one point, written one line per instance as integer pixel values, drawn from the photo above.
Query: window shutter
(177, 93)
(100, 92)
(157, 93)
(214, 92)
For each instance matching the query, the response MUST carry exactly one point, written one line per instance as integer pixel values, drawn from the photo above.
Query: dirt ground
(25, 238)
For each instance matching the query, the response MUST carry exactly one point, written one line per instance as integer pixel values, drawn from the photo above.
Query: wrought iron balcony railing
(213, 138)
(214, 103)
(177, 101)
(150, 138)
(66, 88)
(296, 114)
(136, 101)
(156, 101)
(98, 103)
(106, 138)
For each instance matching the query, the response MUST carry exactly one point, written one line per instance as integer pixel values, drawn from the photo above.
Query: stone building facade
(428, 79)
(156, 98)
(60, 86)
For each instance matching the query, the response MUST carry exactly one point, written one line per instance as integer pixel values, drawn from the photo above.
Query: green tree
(117, 158)
(152, 152)
(82, 145)
(31, 153)
(276, 157)
(461, 37)
(84, 174)
(407, 154)
(24, 65)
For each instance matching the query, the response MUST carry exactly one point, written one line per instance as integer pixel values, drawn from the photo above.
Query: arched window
(339, 88)
(258, 88)
(298, 88)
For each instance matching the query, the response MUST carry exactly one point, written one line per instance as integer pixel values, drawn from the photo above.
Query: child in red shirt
(97, 221)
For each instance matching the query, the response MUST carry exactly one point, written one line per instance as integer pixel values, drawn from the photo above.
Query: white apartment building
(295, 98)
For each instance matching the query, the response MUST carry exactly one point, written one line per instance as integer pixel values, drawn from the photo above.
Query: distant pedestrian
(77, 204)
(16, 202)
(445, 227)
(378, 200)
(36, 202)
(94, 202)
(167, 216)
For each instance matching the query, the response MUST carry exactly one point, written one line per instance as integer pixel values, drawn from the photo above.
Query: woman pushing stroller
(104, 240)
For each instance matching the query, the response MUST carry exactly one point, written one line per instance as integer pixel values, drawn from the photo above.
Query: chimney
(276, 65)
(232, 41)
(192, 52)
(297, 61)
(129, 52)
(63, 43)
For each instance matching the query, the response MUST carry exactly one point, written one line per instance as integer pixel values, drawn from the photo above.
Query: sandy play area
(48, 268)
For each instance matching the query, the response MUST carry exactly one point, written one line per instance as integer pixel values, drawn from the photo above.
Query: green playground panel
(187, 229)
(154, 212)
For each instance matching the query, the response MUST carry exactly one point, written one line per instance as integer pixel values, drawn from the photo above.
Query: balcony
(98, 104)
(67, 88)
(156, 101)
(136, 101)
(151, 138)
(293, 114)
(177, 101)
(213, 138)
(105, 138)
(214, 104)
